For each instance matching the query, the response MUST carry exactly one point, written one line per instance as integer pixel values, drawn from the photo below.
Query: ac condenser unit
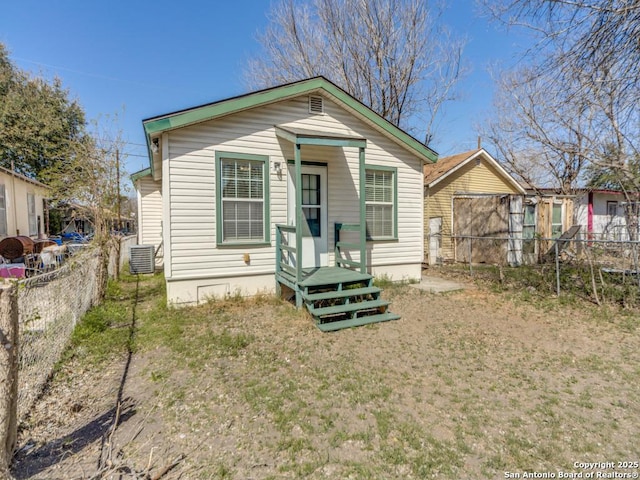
(141, 259)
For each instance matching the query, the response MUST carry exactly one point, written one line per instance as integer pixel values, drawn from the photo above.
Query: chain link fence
(49, 307)
(37, 317)
(600, 270)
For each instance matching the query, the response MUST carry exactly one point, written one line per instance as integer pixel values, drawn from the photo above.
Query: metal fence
(603, 270)
(37, 317)
(49, 306)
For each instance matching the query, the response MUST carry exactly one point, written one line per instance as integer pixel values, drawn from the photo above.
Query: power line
(95, 75)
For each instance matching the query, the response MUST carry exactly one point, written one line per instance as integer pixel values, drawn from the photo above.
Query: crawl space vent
(141, 259)
(316, 105)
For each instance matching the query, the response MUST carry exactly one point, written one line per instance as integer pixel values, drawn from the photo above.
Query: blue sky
(141, 58)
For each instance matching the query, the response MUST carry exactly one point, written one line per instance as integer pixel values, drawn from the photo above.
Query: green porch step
(356, 322)
(349, 292)
(347, 308)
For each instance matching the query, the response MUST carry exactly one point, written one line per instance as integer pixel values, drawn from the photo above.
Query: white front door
(435, 236)
(315, 237)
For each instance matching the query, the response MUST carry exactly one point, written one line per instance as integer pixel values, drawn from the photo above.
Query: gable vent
(316, 105)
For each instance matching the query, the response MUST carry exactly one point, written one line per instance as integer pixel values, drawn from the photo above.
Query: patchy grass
(466, 385)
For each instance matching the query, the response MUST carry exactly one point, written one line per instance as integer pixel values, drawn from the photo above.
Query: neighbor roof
(23, 178)
(156, 125)
(435, 172)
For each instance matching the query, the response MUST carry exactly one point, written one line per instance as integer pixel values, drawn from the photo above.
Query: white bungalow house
(300, 188)
(149, 219)
(22, 208)
(605, 215)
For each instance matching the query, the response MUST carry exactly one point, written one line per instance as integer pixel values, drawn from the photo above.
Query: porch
(336, 296)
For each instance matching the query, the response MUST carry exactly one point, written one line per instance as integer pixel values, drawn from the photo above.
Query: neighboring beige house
(470, 194)
(234, 221)
(149, 196)
(22, 205)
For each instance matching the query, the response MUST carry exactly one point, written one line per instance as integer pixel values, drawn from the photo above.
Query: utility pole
(13, 188)
(118, 212)
(118, 185)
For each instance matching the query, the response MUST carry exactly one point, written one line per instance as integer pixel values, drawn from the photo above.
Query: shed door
(484, 216)
(315, 237)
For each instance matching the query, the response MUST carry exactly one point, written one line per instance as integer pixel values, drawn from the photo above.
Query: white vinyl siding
(379, 198)
(192, 194)
(3, 211)
(150, 214)
(33, 218)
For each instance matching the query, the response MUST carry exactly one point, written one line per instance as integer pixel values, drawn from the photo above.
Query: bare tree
(575, 102)
(538, 135)
(390, 54)
(90, 177)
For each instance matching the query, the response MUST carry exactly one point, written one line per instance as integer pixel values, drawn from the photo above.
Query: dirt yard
(469, 384)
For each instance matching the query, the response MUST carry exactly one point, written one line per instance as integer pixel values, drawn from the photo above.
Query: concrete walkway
(433, 284)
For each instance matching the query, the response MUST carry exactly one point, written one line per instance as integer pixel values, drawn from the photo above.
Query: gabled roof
(436, 172)
(163, 123)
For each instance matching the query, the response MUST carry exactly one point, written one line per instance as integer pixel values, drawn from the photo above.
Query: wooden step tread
(349, 307)
(349, 292)
(356, 322)
(332, 276)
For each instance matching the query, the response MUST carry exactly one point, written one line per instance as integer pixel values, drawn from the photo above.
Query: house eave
(18, 176)
(155, 126)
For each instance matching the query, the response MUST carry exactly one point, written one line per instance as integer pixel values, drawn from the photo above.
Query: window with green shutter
(381, 203)
(242, 198)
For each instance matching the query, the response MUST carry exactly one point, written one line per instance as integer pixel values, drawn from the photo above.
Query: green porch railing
(284, 252)
(340, 246)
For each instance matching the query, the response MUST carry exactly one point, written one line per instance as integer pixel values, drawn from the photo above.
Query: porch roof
(303, 136)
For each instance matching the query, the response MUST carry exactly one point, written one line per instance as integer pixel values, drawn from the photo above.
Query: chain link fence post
(8, 376)
(555, 247)
(470, 253)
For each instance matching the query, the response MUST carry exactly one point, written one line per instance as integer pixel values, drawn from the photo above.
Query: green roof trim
(142, 173)
(156, 125)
